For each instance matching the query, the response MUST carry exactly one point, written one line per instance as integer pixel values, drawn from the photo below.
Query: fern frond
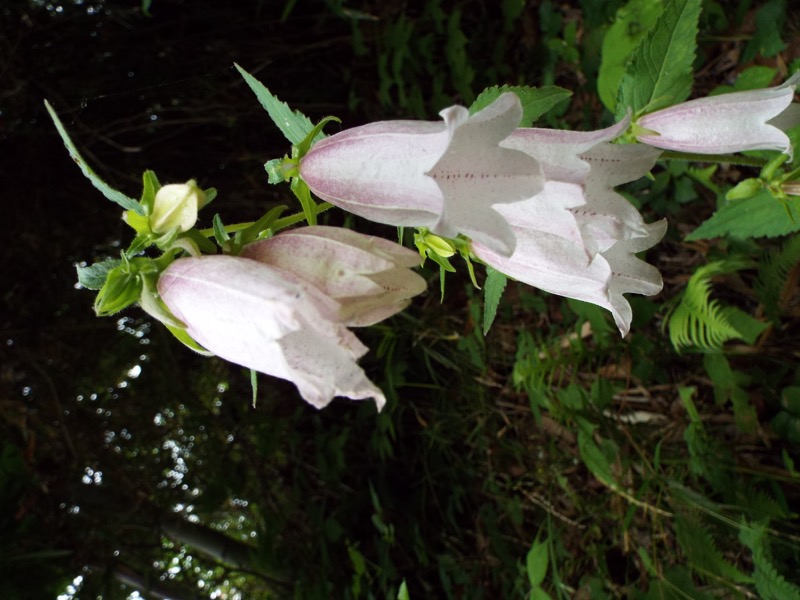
(698, 321)
(777, 277)
(770, 584)
(697, 542)
(759, 504)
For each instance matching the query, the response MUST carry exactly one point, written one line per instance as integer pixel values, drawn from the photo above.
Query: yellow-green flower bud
(175, 207)
(439, 245)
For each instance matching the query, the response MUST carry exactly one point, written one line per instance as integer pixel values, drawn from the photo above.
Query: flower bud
(175, 207)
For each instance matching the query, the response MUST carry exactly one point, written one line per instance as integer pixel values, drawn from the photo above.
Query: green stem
(277, 226)
(747, 161)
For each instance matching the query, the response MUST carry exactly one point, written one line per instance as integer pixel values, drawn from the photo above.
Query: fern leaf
(704, 556)
(776, 279)
(770, 584)
(698, 321)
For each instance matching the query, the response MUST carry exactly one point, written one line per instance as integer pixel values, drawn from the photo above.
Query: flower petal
(477, 172)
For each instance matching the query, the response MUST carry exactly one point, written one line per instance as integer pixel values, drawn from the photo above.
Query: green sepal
(183, 336)
(303, 194)
(207, 196)
(94, 276)
(121, 289)
(222, 237)
(150, 187)
(139, 243)
(139, 223)
(300, 150)
(205, 245)
(105, 189)
(254, 385)
(260, 228)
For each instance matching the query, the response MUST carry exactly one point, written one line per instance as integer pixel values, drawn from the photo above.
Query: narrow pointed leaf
(114, 195)
(292, 123)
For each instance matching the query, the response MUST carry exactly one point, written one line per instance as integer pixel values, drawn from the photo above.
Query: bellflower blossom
(279, 322)
(578, 237)
(751, 120)
(442, 176)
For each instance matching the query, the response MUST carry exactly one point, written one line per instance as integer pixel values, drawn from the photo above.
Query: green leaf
(94, 276)
(631, 23)
(535, 101)
(402, 593)
(660, 71)
(759, 216)
(105, 189)
(492, 292)
(536, 563)
(752, 78)
(767, 38)
(292, 123)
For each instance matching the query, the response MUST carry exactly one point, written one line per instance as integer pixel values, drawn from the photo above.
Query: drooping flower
(369, 277)
(283, 306)
(578, 237)
(751, 120)
(442, 176)
(175, 207)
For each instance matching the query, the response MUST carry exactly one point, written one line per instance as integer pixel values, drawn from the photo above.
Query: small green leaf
(492, 292)
(292, 123)
(536, 563)
(94, 276)
(535, 101)
(254, 385)
(220, 234)
(759, 216)
(660, 72)
(766, 40)
(105, 189)
(402, 593)
(631, 23)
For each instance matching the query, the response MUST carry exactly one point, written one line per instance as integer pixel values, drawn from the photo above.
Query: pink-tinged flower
(578, 237)
(734, 122)
(369, 277)
(442, 176)
(249, 313)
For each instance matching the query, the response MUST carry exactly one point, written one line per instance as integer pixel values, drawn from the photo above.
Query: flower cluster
(536, 204)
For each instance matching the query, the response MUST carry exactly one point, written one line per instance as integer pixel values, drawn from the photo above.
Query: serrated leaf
(766, 40)
(492, 292)
(660, 71)
(535, 101)
(536, 563)
(759, 216)
(94, 276)
(631, 23)
(294, 125)
(114, 195)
